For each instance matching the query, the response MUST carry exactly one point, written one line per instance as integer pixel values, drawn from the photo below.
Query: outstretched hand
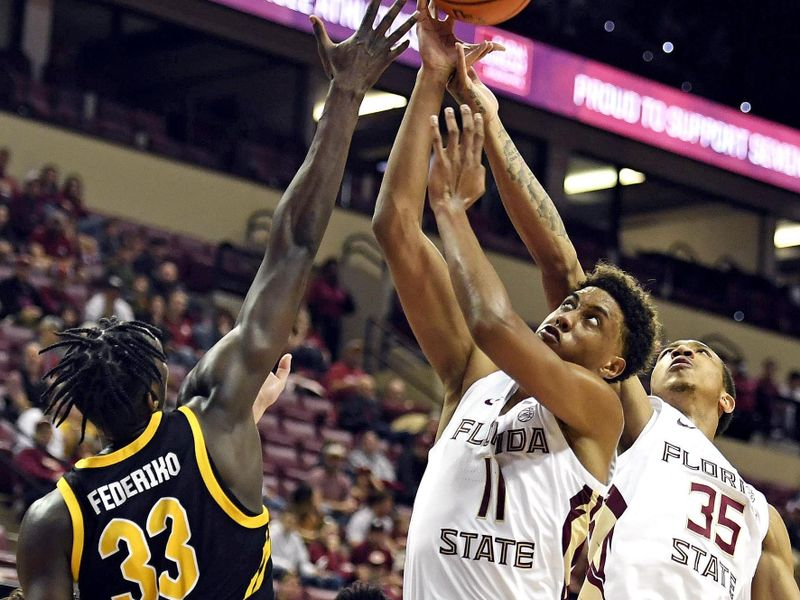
(467, 88)
(272, 388)
(356, 63)
(437, 42)
(457, 175)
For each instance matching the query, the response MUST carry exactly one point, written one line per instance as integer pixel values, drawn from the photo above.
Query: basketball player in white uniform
(514, 475)
(679, 521)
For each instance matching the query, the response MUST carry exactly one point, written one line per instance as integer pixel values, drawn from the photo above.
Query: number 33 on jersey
(152, 520)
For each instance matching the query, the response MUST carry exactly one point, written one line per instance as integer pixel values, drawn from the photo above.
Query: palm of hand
(437, 42)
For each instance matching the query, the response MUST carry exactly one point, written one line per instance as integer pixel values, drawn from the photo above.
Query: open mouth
(551, 334)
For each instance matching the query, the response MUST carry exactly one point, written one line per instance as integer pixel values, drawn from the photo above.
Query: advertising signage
(589, 92)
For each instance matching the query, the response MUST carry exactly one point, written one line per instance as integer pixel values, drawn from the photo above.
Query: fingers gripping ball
(482, 12)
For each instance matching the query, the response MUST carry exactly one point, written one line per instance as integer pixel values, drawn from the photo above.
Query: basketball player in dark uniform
(172, 507)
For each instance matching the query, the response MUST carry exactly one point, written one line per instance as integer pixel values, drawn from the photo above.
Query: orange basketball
(482, 12)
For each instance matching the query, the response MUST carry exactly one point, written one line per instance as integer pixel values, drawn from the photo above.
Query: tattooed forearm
(520, 174)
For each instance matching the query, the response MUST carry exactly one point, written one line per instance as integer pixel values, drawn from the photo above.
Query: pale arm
(536, 220)
(577, 397)
(418, 269)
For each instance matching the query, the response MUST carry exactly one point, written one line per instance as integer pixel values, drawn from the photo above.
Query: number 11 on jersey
(500, 500)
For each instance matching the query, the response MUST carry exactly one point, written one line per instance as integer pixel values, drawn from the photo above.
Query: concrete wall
(211, 206)
(712, 231)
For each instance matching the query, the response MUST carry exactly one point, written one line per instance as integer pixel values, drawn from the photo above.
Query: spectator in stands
(346, 372)
(790, 396)
(48, 327)
(394, 401)
(379, 507)
(108, 302)
(304, 504)
(139, 297)
(7, 233)
(70, 200)
(89, 254)
(121, 265)
(57, 236)
(328, 554)
(166, 278)
(369, 455)
(289, 587)
(411, 466)
(27, 210)
(15, 400)
(36, 463)
(70, 316)
(179, 326)
(329, 302)
(331, 482)
(155, 253)
(309, 354)
(361, 591)
(766, 394)
(157, 316)
(41, 261)
(208, 333)
(18, 297)
(358, 408)
(377, 540)
(54, 295)
(110, 238)
(31, 371)
(744, 423)
(289, 552)
(9, 188)
(48, 179)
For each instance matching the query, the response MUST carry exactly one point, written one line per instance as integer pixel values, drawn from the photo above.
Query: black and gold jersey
(154, 520)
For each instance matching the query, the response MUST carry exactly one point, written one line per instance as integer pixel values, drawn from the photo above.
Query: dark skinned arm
(539, 225)
(577, 397)
(44, 550)
(222, 388)
(774, 577)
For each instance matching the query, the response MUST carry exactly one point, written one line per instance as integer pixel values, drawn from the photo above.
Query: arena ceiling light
(374, 102)
(603, 178)
(787, 234)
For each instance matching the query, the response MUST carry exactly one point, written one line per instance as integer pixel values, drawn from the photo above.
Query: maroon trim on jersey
(487, 489)
(501, 495)
(596, 574)
(578, 507)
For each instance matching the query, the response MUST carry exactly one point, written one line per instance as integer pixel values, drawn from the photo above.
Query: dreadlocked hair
(106, 370)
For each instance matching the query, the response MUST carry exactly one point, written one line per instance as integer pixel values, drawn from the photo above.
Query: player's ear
(613, 368)
(727, 403)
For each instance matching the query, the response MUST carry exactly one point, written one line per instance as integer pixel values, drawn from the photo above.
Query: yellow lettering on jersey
(258, 579)
(134, 568)
(178, 550)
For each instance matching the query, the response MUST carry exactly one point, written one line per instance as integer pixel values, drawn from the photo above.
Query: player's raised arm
(530, 208)
(419, 272)
(774, 577)
(231, 374)
(576, 396)
(536, 220)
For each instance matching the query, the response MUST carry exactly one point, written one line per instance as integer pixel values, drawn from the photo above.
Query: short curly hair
(641, 331)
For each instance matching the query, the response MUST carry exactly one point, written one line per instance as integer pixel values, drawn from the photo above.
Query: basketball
(482, 12)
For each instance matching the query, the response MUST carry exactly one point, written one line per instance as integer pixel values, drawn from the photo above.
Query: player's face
(587, 330)
(687, 372)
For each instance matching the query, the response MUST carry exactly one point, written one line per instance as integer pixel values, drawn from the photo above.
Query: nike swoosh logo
(687, 425)
(490, 401)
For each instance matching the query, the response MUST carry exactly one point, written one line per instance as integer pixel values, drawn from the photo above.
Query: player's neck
(688, 404)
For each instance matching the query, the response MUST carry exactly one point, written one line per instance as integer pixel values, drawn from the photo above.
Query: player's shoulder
(47, 519)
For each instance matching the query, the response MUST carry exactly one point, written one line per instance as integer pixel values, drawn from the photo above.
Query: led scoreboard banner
(589, 92)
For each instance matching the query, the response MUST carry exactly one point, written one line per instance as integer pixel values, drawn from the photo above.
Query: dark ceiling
(730, 51)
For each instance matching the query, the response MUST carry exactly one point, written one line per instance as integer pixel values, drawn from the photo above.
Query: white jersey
(679, 522)
(503, 505)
